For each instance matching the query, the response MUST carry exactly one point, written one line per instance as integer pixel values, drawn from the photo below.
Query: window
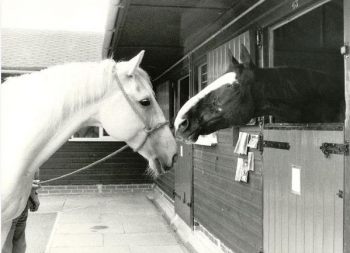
(203, 76)
(91, 133)
(183, 90)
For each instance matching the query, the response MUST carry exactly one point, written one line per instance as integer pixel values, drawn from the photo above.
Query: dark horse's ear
(245, 57)
(233, 64)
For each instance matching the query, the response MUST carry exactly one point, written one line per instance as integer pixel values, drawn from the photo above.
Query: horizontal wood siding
(230, 210)
(125, 168)
(166, 182)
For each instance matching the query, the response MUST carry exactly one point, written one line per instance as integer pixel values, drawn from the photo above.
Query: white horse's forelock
(227, 78)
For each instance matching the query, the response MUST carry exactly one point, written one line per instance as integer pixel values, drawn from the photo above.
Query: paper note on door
(296, 180)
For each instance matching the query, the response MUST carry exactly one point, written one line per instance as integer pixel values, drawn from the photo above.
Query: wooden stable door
(303, 189)
(184, 183)
(346, 53)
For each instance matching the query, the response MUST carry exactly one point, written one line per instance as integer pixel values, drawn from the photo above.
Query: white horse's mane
(68, 87)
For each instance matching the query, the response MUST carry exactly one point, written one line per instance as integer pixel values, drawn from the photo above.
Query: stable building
(297, 197)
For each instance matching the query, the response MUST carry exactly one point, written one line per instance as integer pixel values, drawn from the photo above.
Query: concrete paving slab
(117, 249)
(138, 225)
(105, 223)
(49, 204)
(78, 228)
(66, 240)
(141, 239)
(157, 249)
(81, 218)
(132, 209)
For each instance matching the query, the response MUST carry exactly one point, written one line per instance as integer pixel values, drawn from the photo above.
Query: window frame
(200, 74)
(100, 138)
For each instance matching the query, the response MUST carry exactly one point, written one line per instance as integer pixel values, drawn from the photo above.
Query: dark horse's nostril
(184, 124)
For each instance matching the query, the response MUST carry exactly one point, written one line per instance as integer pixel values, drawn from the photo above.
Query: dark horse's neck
(298, 95)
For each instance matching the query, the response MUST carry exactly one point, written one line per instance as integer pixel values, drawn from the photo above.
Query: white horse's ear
(135, 62)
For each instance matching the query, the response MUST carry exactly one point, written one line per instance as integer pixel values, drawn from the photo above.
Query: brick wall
(125, 168)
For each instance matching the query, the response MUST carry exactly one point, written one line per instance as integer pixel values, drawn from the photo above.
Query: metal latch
(334, 148)
(345, 50)
(340, 194)
(276, 144)
(175, 194)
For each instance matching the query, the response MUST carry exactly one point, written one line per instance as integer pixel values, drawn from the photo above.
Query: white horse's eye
(145, 102)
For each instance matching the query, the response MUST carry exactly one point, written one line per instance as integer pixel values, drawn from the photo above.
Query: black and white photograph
(175, 126)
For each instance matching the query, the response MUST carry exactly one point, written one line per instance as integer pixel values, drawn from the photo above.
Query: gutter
(110, 27)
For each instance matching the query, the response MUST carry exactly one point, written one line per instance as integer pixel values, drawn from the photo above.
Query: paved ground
(118, 223)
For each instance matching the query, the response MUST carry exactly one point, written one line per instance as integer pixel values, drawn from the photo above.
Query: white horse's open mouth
(156, 168)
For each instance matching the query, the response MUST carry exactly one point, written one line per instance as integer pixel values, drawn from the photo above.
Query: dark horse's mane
(298, 95)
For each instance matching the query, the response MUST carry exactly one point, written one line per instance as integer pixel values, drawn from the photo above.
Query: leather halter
(147, 129)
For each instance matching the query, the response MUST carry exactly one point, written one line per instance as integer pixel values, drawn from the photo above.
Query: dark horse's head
(225, 102)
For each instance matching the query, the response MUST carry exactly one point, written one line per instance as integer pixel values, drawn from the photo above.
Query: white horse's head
(117, 115)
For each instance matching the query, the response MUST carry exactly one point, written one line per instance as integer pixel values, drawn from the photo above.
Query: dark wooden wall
(166, 90)
(230, 210)
(125, 168)
(166, 182)
(233, 211)
(312, 39)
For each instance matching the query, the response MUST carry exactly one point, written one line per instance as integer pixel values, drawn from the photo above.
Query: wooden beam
(179, 7)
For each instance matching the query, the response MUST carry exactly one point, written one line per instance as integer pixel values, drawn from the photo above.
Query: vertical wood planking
(313, 218)
(218, 60)
(346, 8)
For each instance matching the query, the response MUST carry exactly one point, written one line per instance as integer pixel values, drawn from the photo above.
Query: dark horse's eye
(145, 102)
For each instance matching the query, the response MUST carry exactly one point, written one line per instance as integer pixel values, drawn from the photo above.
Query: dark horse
(290, 94)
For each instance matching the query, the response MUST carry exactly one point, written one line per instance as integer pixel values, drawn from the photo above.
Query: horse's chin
(155, 168)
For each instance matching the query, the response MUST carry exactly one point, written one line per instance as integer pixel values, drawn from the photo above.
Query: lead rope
(147, 130)
(86, 167)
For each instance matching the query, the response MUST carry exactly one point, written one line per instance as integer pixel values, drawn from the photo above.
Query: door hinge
(276, 144)
(334, 148)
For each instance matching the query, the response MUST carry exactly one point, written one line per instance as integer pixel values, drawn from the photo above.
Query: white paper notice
(296, 179)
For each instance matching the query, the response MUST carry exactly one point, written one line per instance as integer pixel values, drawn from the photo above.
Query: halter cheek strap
(147, 129)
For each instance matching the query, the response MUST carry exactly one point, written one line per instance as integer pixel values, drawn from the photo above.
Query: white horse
(40, 111)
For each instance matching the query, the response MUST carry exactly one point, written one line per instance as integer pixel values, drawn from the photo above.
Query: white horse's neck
(38, 116)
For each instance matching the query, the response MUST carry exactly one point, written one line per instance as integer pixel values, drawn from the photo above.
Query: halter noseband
(147, 129)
